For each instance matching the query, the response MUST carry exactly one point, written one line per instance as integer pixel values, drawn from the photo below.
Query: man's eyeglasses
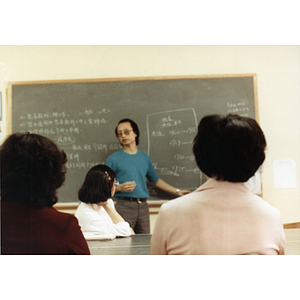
(126, 132)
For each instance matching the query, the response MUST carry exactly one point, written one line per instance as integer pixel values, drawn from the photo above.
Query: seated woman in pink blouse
(222, 216)
(96, 213)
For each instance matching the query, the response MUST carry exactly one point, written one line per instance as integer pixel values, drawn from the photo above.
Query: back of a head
(230, 147)
(97, 185)
(32, 169)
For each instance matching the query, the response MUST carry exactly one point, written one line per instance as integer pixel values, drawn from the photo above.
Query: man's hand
(126, 186)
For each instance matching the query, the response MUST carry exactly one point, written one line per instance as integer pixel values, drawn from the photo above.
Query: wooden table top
(139, 244)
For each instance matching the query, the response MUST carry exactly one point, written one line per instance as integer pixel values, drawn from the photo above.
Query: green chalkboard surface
(81, 117)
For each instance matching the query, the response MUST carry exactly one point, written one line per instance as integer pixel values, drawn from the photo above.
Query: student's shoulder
(176, 204)
(84, 207)
(266, 207)
(51, 214)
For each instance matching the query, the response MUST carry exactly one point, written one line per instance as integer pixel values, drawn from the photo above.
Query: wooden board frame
(10, 85)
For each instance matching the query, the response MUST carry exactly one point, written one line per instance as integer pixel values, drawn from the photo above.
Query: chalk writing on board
(240, 108)
(174, 131)
(68, 131)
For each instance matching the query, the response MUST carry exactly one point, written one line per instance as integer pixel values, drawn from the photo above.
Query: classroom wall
(278, 87)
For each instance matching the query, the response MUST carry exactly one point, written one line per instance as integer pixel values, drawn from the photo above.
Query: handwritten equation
(170, 139)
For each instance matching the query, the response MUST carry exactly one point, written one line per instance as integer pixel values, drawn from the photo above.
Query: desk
(138, 244)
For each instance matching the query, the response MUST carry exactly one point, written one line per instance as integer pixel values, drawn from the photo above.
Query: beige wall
(278, 80)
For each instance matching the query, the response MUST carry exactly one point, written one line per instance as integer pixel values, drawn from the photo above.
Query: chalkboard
(81, 117)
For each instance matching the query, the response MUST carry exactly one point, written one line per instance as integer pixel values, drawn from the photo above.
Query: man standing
(132, 167)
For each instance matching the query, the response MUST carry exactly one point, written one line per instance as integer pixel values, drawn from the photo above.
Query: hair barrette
(107, 175)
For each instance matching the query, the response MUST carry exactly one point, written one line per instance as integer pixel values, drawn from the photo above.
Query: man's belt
(138, 200)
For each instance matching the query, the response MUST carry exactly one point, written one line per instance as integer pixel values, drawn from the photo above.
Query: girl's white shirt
(96, 223)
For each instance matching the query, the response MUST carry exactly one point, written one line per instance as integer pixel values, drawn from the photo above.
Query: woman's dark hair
(97, 185)
(230, 147)
(134, 127)
(32, 169)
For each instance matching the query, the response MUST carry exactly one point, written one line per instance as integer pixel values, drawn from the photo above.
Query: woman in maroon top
(32, 169)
